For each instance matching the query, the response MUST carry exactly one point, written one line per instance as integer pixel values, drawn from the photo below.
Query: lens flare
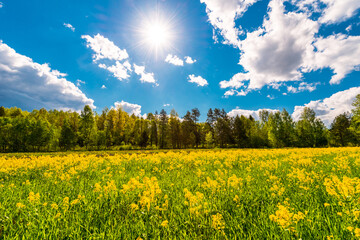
(156, 33)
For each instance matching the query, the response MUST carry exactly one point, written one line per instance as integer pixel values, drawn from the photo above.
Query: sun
(157, 35)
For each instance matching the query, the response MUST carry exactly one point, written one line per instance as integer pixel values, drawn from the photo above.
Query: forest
(54, 130)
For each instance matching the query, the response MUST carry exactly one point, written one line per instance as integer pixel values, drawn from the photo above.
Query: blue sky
(243, 55)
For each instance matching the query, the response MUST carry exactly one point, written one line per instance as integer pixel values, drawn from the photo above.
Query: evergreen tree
(163, 128)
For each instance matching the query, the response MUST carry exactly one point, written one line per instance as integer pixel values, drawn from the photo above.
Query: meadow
(185, 194)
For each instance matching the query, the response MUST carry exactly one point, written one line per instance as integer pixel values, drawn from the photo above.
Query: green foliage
(67, 138)
(189, 194)
(341, 134)
(43, 130)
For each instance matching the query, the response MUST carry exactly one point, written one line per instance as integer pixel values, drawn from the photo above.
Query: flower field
(194, 194)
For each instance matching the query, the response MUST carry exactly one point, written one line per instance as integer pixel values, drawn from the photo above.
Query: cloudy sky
(145, 55)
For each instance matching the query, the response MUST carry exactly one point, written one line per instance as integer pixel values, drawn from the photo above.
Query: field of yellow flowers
(189, 194)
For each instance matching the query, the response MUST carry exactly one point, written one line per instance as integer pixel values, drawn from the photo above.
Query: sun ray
(156, 33)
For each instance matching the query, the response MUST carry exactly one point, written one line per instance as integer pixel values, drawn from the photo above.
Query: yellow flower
(350, 228)
(20, 205)
(76, 201)
(54, 206)
(326, 204)
(34, 197)
(97, 187)
(134, 206)
(165, 223)
(357, 232)
(218, 222)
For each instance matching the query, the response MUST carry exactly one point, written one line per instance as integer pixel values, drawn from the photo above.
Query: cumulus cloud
(68, 25)
(144, 76)
(104, 48)
(222, 15)
(175, 60)
(198, 80)
(327, 109)
(340, 53)
(130, 108)
(189, 60)
(166, 105)
(339, 10)
(103, 87)
(287, 45)
(33, 85)
(119, 70)
(275, 52)
(254, 113)
(237, 81)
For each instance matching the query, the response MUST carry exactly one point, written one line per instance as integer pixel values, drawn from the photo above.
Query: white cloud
(189, 60)
(348, 29)
(303, 86)
(339, 10)
(103, 87)
(175, 60)
(144, 76)
(255, 114)
(33, 85)
(166, 105)
(331, 11)
(340, 53)
(198, 80)
(119, 70)
(327, 109)
(79, 82)
(68, 25)
(287, 45)
(104, 48)
(230, 92)
(130, 108)
(222, 15)
(1, 4)
(237, 81)
(275, 52)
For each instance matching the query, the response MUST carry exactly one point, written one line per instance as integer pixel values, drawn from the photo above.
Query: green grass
(245, 187)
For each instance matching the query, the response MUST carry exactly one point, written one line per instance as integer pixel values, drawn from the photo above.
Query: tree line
(54, 130)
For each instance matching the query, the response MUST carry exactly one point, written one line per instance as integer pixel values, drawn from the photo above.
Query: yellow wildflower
(20, 205)
(218, 222)
(165, 223)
